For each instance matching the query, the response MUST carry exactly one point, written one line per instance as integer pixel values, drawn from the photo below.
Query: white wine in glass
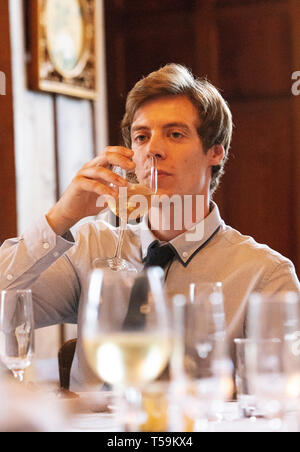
(137, 201)
(134, 199)
(130, 359)
(17, 331)
(126, 332)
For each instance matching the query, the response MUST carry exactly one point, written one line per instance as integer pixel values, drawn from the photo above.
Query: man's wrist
(58, 223)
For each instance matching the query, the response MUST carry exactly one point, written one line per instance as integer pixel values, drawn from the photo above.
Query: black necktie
(158, 256)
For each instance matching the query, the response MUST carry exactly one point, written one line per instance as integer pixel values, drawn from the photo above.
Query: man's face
(167, 128)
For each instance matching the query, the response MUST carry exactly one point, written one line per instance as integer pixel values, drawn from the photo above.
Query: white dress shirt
(57, 270)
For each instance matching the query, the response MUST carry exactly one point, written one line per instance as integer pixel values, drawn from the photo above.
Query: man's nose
(157, 147)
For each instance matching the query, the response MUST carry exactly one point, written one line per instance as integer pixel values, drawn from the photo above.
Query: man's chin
(167, 192)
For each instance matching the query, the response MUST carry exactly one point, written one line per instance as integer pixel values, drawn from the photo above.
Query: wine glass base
(115, 264)
(18, 375)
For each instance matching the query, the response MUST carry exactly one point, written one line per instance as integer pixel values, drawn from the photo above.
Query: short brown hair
(174, 80)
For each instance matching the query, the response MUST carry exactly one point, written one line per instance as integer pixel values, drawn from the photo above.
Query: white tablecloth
(106, 422)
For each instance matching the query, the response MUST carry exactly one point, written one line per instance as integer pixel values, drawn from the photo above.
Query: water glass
(246, 400)
(16, 331)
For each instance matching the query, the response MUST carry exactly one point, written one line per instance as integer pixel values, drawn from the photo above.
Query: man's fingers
(100, 160)
(102, 174)
(93, 186)
(117, 159)
(119, 150)
(113, 155)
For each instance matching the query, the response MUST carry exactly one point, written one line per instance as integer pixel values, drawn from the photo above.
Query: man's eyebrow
(138, 128)
(181, 125)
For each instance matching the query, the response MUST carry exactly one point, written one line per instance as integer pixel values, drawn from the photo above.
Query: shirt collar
(187, 244)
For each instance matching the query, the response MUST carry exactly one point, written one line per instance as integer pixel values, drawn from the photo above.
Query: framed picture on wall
(62, 47)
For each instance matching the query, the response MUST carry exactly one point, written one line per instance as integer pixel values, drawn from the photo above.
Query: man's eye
(176, 135)
(140, 138)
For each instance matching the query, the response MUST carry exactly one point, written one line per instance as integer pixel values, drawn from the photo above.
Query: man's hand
(93, 180)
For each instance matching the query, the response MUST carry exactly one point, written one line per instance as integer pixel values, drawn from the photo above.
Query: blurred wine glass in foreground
(273, 353)
(125, 333)
(200, 359)
(16, 331)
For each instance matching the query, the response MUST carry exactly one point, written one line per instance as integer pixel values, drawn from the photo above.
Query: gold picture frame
(63, 47)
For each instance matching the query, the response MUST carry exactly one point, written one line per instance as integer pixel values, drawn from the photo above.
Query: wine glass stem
(19, 375)
(120, 239)
(135, 416)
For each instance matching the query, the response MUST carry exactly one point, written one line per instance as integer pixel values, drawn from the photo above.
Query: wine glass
(16, 331)
(203, 321)
(201, 361)
(126, 333)
(125, 207)
(273, 353)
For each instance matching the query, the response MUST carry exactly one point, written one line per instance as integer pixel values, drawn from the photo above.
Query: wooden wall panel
(151, 7)
(255, 67)
(139, 40)
(294, 8)
(254, 50)
(257, 187)
(8, 222)
(150, 47)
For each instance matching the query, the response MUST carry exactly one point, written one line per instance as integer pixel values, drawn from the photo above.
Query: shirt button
(56, 254)
(9, 277)
(185, 255)
(46, 246)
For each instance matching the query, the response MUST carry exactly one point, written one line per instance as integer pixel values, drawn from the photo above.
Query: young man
(186, 124)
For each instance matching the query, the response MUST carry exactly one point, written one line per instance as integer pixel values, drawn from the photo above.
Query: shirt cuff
(41, 240)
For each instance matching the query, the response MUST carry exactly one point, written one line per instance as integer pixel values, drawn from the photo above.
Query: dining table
(95, 416)
(32, 409)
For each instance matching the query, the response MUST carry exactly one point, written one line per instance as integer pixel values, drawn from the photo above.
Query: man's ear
(216, 154)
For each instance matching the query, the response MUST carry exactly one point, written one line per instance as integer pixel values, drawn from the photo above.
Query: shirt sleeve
(37, 261)
(283, 278)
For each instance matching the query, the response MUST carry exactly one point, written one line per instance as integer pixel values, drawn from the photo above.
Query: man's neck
(166, 224)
